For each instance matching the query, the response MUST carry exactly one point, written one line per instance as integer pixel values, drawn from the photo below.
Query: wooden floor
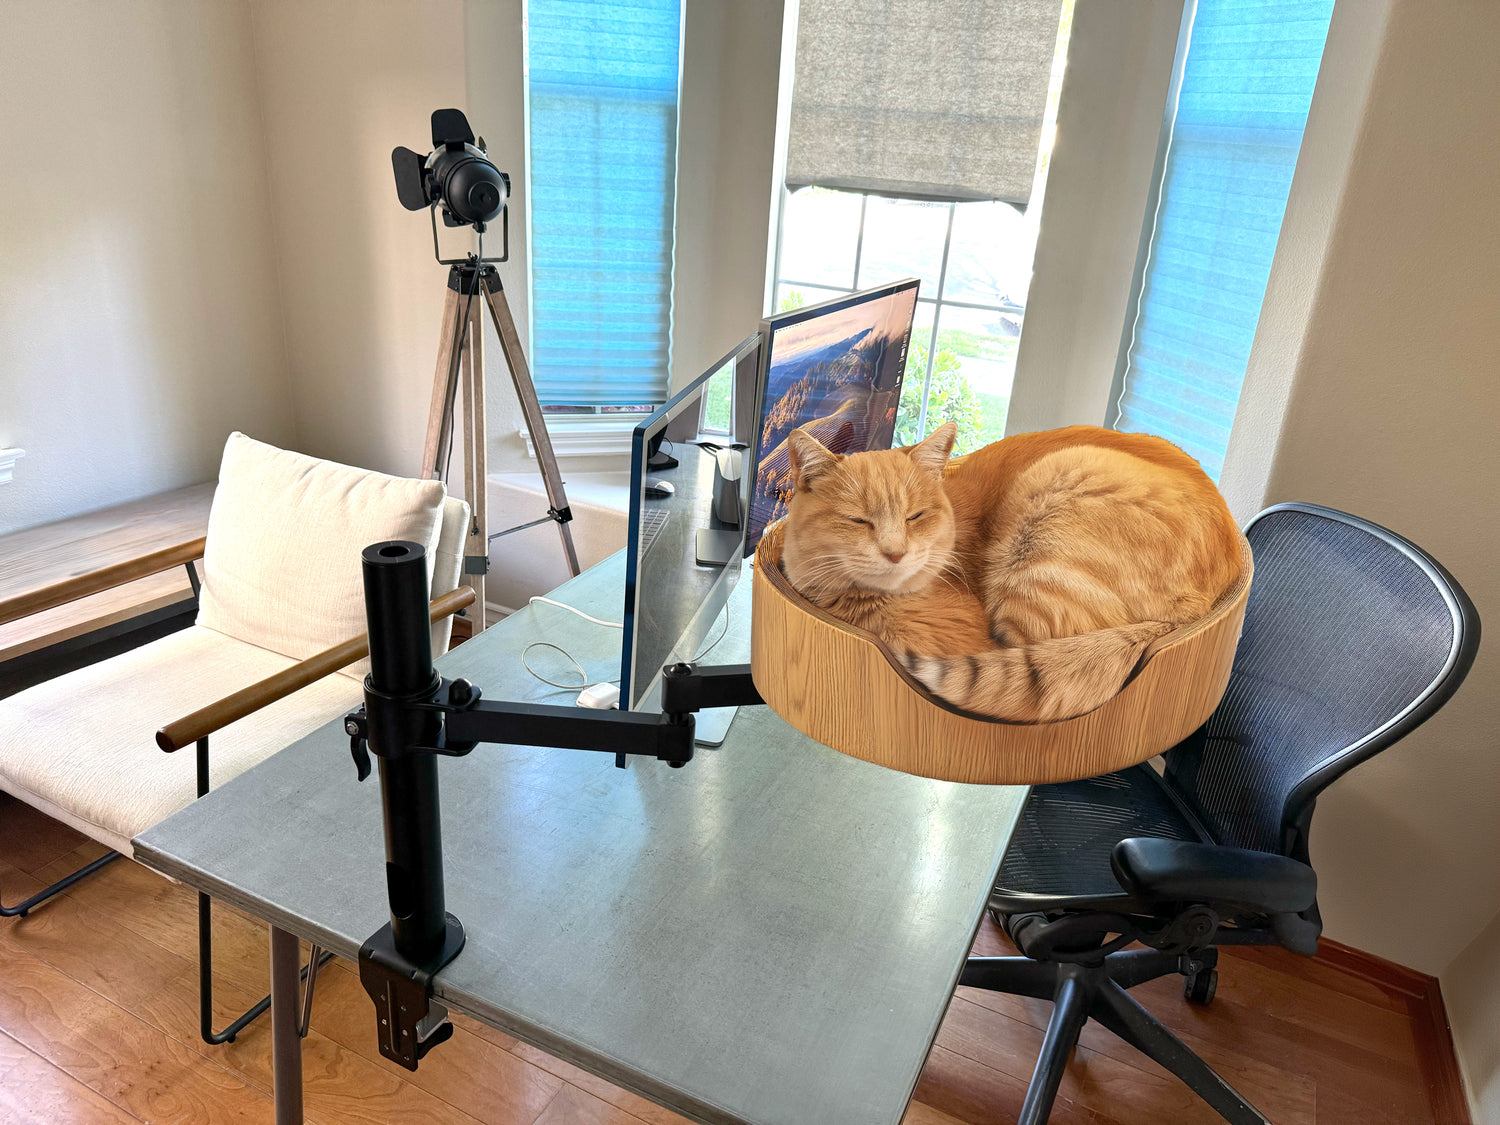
(98, 1023)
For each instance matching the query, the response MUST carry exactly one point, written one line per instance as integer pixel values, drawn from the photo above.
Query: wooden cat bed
(844, 687)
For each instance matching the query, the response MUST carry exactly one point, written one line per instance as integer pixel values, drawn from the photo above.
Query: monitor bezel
(640, 437)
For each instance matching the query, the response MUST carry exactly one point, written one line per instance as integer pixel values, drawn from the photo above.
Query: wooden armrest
(105, 578)
(204, 721)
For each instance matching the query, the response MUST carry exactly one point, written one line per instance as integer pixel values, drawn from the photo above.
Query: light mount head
(456, 177)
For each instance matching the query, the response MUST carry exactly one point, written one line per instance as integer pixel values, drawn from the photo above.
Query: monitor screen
(689, 493)
(835, 368)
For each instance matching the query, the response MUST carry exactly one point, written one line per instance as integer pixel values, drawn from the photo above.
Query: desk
(768, 936)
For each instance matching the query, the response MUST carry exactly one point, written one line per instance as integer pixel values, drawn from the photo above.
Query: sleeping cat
(1028, 582)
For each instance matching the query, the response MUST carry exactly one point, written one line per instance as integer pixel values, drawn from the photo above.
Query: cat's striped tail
(1053, 679)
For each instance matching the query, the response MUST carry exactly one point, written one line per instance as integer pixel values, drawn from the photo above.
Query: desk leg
(286, 1044)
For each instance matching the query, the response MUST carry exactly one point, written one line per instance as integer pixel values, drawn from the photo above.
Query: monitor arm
(410, 717)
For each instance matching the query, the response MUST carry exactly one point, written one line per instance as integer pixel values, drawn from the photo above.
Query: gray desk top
(768, 935)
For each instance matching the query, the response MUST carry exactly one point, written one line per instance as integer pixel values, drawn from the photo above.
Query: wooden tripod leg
(476, 543)
(520, 375)
(444, 388)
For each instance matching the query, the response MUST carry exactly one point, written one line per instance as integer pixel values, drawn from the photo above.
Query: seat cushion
(281, 568)
(82, 748)
(1067, 831)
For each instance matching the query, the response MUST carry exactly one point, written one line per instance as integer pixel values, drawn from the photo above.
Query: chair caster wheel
(1199, 985)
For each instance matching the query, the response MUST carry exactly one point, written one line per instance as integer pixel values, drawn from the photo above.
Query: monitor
(688, 497)
(835, 368)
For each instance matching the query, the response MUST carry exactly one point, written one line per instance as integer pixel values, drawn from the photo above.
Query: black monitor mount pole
(411, 715)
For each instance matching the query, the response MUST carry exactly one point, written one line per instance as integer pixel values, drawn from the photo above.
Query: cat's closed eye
(915, 516)
(860, 520)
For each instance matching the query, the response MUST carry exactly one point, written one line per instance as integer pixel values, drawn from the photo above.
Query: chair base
(205, 958)
(21, 909)
(318, 958)
(1097, 991)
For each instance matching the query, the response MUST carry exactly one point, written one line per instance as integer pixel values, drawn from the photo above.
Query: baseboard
(1429, 1017)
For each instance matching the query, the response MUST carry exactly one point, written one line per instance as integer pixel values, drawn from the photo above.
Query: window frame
(936, 302)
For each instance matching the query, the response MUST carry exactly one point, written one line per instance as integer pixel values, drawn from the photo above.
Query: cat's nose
(894, 556)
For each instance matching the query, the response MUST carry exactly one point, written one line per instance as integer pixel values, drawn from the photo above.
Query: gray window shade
(930, 99)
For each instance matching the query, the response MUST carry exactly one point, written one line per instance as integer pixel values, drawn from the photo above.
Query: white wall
(1324, 164)
(1109, 120)
(1471, 993)
(725, 177)
(138, 314)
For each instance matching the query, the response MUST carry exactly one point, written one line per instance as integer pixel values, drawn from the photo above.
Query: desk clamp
(411, 716)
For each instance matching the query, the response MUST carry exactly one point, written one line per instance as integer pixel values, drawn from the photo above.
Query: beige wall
(341, 84)
(361, 294)
(1471, 992)
(138, 314)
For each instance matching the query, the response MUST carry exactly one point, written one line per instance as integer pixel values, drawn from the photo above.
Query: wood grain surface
(843, 687)
(98, 1022)
(57, 555)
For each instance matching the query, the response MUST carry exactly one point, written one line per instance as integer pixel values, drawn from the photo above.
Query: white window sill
(9, 457)
(609, 490)
(590, 436)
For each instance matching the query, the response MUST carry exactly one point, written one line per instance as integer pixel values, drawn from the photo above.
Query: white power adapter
(601, 697)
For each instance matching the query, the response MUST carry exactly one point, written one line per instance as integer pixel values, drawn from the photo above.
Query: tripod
(461, 361)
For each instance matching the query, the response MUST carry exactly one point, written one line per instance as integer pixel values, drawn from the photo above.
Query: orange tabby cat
(1027, 580)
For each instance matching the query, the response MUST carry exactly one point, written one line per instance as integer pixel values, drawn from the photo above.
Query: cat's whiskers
(826, 574)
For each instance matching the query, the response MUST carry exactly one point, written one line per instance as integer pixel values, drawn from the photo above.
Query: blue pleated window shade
(602, 86)
(1246, 86)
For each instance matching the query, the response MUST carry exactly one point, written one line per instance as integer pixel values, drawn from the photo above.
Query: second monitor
(689, 496)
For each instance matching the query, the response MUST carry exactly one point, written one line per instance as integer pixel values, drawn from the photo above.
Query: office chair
(1353, 638)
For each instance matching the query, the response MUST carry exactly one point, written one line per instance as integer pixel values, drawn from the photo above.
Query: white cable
(717, 639)
(579, 612)
(582, 675)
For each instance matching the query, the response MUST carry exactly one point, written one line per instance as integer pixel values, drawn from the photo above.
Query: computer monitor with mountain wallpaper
(835, 368)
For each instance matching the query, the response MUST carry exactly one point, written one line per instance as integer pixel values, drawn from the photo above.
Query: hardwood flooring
(98, 1023)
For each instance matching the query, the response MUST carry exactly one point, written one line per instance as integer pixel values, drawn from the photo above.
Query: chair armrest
(1184, 871)
(105, 578)
(204, 721)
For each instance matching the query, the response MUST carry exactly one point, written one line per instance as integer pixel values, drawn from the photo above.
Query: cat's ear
(810, 458)
(933, 451)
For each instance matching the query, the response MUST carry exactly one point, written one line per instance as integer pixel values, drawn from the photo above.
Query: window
(602, 89)
(1246, 83)
(974, 259)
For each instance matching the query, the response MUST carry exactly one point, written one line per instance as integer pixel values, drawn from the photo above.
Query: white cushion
(281, 569)
(81, 747)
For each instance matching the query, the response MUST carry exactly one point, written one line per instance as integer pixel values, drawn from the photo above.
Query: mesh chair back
(1352, 638)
